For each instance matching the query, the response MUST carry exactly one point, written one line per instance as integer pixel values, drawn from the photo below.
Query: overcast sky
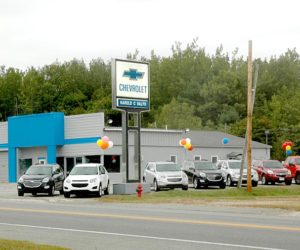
(39, 32)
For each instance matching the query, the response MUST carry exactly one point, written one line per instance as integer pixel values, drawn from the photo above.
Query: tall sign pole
(131, 95)
(249, 118)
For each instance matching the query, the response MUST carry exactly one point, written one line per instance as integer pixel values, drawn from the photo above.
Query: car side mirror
(67, 174)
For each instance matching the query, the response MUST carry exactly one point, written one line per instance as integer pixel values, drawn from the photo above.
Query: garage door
(4, 166)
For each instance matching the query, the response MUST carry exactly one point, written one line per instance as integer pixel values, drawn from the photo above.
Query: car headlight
(161, 177)
(184, 176)
(270, 172)
(223, 175)
(93, 180)
(203, 175)
(68, 181)
(45, 180)
(21, 180)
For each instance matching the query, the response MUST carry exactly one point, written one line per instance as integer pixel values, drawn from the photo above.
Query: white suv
(87, 178)
(231, 170)
(165, 175)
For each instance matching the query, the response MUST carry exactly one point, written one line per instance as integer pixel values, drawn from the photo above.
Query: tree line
(189, 89)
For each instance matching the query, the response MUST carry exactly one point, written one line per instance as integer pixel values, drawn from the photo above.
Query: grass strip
(25, 245)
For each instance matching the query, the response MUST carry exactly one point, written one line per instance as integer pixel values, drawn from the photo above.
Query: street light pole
(267, 132)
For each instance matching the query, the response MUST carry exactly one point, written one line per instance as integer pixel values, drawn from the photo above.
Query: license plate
(281, 178)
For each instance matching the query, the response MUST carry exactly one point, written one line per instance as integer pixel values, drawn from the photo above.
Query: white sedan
(87, 178)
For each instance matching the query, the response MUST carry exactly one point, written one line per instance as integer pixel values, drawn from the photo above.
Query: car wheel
(67, 195)
(196, 183)
(156, 187)
(228, 181)
(185, 188)
(222, 186)
(264, 180)
(288, 183)
(20, 193)
(106, 191)
(254, 183)
(51, 191)
(33, 193)
(100, 191)
(297, 179)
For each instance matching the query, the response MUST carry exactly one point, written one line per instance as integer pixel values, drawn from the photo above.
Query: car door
(148, 173)
(292, 166)
(151, 173)
(189, 169)
(259, 168)
(225, 168)
(103, 177)
(55, 177)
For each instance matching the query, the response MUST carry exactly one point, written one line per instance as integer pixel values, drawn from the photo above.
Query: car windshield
(235, 164)
(38, 170)
(272, 164)
(297, 161)
(167, 167)
(84, 171)
(205, 165)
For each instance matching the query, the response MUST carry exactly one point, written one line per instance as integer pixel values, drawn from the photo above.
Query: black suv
(203, 174)
(41, 178)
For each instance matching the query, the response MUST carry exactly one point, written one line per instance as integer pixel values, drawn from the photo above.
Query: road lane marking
(141, 236)
(152, 219)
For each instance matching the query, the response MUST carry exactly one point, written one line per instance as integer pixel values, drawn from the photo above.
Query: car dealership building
(67, 140)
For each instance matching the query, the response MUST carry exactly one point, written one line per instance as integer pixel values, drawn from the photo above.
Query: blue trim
(51, 154)
(4, 145)
(81, 140)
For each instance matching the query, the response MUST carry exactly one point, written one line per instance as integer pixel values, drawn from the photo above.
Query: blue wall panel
(36, 130)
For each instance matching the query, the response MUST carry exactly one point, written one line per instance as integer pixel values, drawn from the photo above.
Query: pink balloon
(105, 138)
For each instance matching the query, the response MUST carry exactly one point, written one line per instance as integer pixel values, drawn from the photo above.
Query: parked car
(41, 178)
(204, 174)
(87, 178)
(272, 171)
(231, 170)
(292, 163)
(165, 175)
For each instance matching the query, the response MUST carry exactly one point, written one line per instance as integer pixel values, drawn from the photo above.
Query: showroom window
(214, 158)
(197, 157)
(112, 163)
(93, 159)
(173, 158)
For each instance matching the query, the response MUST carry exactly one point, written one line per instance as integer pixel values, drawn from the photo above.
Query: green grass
(25, 245)
(208, 195)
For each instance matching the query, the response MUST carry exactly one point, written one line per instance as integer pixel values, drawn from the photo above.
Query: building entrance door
(70, 163)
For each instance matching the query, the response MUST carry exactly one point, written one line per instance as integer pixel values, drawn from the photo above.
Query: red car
(272, 171)
(292, 163)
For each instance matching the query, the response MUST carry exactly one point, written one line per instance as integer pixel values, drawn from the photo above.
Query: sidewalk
(8, 190)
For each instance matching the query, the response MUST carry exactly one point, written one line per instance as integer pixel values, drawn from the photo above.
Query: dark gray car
(41, 178)
(203, 174)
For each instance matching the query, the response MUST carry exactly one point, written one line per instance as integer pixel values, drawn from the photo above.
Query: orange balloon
(190, 148)
(104, 145)
(183, 142)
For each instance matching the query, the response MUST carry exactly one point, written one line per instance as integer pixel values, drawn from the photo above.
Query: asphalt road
(88, 223)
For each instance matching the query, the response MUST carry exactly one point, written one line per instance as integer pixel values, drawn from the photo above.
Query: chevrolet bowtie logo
(133, 74)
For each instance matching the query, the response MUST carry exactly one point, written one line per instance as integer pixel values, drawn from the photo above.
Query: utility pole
(249, 118)
(239, 185)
